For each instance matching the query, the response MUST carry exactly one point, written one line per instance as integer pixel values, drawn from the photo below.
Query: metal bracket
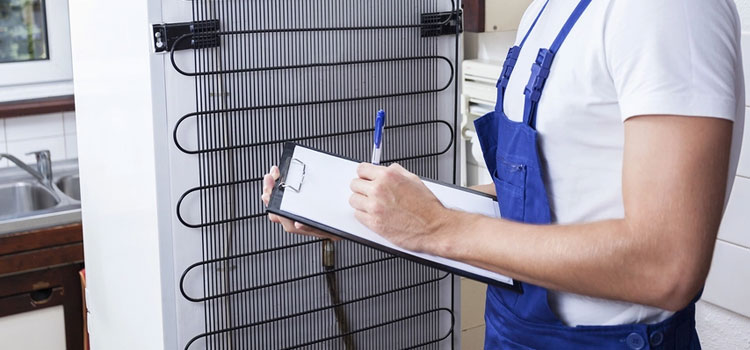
(187, 35)
(294, 180)
(442, 23)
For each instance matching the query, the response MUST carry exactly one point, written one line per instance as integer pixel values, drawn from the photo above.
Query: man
(610, 159)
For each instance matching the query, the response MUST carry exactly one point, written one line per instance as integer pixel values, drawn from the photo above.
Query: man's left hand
(397, 205)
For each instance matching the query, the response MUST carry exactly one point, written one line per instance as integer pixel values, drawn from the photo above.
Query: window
(23, 31)
(35, 59)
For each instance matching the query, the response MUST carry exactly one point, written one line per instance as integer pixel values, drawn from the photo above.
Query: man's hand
(488, 189)
(290, 226)
(397, 205)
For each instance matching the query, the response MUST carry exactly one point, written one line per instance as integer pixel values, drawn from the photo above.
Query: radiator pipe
(329, 263)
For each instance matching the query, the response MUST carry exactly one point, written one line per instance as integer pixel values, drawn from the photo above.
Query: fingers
(360, 202)
(274, 218)
(299, 228)
(369, 171)
(269, 181)
(309, 231)
(364, 218)
(362, 187)
(402, 171)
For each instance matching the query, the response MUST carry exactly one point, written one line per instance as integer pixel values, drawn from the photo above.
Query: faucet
(43, 171)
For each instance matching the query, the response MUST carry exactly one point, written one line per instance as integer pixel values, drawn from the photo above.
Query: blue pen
(378, 149)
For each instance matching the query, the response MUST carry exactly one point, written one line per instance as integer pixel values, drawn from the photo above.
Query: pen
(378, 139)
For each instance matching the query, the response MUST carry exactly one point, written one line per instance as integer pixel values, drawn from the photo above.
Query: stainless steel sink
(19, 199)
(70, 185)
(27, 203)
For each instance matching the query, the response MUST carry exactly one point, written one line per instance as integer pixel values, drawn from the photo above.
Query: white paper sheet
(324, 198)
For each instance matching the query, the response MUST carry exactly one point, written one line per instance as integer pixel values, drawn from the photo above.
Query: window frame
(43, 78)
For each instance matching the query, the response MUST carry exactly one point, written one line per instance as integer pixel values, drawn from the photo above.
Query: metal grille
(314, 72)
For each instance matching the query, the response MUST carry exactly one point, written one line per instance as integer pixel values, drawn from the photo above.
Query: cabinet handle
(40, 297)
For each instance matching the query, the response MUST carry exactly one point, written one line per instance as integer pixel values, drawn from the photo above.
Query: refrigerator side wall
(123, 162)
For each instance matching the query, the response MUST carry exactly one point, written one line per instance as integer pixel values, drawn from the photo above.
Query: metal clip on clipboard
(295, 176)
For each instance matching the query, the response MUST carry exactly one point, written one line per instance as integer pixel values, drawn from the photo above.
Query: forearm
(603, 259)
(659, 254)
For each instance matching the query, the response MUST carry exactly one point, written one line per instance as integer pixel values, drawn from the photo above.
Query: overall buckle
(539, 73)
(508, 66)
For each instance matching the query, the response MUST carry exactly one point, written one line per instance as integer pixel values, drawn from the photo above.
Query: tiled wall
(55, 132)
(723, 318)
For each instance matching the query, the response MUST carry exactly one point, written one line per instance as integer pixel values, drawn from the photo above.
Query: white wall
(55, 132)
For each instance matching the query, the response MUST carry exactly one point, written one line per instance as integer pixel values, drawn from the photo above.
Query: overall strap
(541, 68)
(533, 24)
(510, 62)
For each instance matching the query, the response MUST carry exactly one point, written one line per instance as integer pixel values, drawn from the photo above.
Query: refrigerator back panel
(257, 74)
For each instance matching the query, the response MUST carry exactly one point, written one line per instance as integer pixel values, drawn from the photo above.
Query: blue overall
(525, 321)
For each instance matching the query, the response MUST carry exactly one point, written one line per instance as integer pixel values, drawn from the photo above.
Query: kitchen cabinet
(493, 15)
(39, 271)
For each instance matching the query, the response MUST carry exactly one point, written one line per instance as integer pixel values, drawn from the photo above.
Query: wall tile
(69, 122)
(734, 228)
(721, 329)
(71, 146)
(24, 128)
(728, 283)
(56, 146)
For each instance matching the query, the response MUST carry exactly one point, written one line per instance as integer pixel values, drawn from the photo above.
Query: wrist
(445, 237)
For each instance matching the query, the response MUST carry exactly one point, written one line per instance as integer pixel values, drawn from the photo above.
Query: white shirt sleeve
(674, 57)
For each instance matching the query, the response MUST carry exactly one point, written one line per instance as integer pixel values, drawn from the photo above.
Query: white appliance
(173, 145)
(478, 98)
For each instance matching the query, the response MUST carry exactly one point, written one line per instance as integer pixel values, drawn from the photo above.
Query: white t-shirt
(623, 58)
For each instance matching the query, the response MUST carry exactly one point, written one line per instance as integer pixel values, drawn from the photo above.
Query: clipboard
(313, 189)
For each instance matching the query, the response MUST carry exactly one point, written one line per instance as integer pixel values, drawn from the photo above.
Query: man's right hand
(269, 180)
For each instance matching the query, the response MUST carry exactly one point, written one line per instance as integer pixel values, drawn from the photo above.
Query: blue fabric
(510, 61)
(525, 321)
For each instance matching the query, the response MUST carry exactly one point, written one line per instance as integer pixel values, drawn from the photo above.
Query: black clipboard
(289, 163)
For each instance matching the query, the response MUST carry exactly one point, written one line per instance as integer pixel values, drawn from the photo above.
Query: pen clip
(296, 168)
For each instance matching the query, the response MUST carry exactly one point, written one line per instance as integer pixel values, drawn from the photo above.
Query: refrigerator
(183, 106)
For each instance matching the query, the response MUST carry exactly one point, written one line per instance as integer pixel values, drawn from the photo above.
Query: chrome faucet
(43, 171)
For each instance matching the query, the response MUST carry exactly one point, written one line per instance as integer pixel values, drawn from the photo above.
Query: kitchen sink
(28, 204)
(71, 186)
(21, 198)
